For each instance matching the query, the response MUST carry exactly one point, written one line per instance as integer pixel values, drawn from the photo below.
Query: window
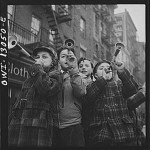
(82, 27)
(66, 10)
(96, 25)
(53, 7)
(82, 52)
(99, 6)
(51, 38)
(35, 25)
(102, 54)
(10, 11)
(69, 13)
(63, 9)
(97, 52)
(94, 61)
(104, 32)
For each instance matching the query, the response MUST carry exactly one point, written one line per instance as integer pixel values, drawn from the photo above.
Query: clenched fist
(72, 61)
(34, 69)
(119, 66)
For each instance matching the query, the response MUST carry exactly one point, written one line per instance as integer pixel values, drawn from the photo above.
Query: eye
(87, 65)
(101, 68)
(80, 66)
(63, 56)
(45, 57)
(36, 57)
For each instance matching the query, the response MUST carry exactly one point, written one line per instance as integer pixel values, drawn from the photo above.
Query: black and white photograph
(76, 76)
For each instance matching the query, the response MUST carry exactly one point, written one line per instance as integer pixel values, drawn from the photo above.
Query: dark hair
(98, 64)
(84, 58)
(63, 48)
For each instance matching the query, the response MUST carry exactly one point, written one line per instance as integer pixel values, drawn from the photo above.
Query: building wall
(23, 15)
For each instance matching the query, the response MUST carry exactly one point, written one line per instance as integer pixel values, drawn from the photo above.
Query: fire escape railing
(55, 18)
(26, 37)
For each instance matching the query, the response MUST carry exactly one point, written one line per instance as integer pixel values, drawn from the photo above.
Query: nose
(39, 61)
(83, 67)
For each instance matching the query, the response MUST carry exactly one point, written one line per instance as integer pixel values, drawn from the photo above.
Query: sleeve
(79, 87)
(135, 100)
(129, 87)
(46, 84)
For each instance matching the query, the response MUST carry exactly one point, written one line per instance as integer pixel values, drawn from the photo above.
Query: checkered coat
(31, 119)
(109, 119)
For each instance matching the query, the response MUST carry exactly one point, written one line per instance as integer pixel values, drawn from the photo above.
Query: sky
(137, 13)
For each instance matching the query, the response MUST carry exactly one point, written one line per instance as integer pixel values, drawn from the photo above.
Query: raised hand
(119, 66)
(72, 61)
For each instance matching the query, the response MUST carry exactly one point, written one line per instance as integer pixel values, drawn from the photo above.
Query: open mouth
(84, 72)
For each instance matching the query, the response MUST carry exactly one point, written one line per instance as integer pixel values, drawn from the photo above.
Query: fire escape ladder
(55, 17)
(57, 35)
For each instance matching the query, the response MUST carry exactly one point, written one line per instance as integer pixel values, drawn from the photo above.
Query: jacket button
(33, 73)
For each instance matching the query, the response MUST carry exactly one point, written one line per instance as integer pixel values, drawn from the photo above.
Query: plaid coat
(109, 119)
(31, 118)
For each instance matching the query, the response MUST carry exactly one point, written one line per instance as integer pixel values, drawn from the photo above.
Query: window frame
(12, 12)
(83, 29)
(33, 30)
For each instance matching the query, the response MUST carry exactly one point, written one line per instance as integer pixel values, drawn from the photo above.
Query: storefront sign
(17, 70)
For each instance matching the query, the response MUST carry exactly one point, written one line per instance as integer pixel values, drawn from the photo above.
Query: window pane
(35, 25)
(82, 27)
(53, 7)
(10, 11)
(96, 25)
(82, 53)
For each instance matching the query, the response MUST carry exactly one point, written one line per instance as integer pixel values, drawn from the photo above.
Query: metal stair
(55, 18)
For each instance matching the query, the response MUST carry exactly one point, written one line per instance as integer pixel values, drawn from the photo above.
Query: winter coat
(67, 110)
(109, 119)
(31, 117)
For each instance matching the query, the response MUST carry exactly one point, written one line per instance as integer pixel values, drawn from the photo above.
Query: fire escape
(108, 37)
(55, 18)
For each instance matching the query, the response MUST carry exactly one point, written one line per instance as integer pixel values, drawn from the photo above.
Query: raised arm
(79, 88)
(46, 84)
(130, 87)
(137, 99)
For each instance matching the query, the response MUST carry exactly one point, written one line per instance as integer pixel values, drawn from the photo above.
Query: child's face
(43, 58)
(63, 58)
(85, 67)
(102, 71)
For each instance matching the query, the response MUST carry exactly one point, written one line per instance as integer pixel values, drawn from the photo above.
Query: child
(86, 69)
(68, 130)
(31, 118)
(109, 121)
(86, 72)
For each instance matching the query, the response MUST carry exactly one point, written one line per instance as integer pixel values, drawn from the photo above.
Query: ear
(96, 75)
